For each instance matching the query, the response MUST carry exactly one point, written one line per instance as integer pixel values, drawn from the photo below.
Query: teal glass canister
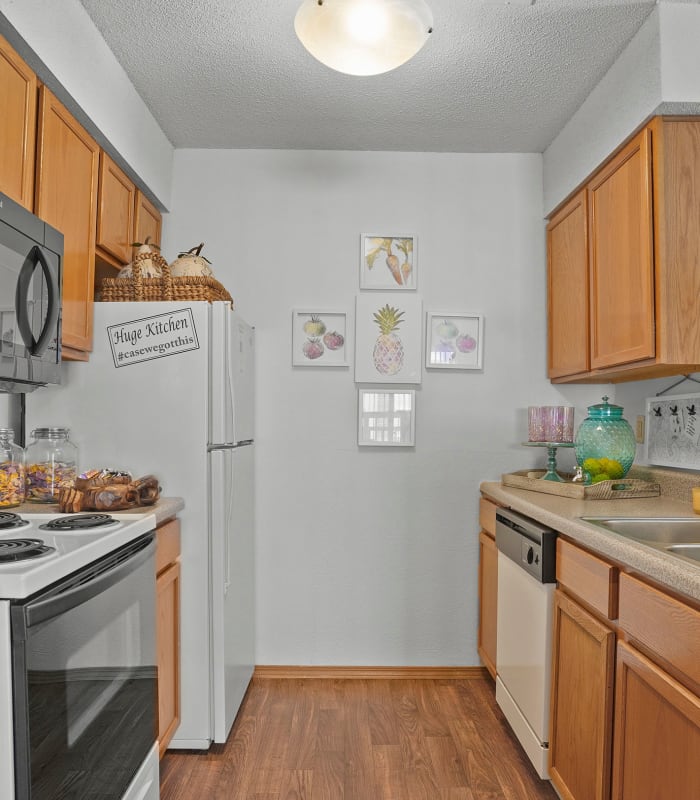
(605, 443)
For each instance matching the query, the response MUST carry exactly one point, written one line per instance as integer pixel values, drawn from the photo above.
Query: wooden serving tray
(531, 479)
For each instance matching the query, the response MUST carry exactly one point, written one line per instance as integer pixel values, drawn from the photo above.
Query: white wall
(658, 72)
(369, 556)
(627, 94)
(64, 37)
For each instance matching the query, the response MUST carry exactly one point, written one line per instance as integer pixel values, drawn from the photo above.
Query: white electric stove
(38, 549)
(77, 641)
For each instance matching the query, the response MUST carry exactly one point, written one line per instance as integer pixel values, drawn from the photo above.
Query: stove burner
(22, 549)
(78, 522)
(9, 520)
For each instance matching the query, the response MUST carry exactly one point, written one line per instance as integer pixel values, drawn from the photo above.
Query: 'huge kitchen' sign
(152, 337)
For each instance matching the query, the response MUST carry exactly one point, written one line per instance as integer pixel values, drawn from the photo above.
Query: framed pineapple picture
(388, 263)
(453, 341)
(319, 339)
(388, 336)
(386, 417)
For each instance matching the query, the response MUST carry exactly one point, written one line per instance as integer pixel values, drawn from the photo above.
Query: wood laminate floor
(313, 739)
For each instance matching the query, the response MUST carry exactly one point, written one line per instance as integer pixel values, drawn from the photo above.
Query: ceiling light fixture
(363, 37)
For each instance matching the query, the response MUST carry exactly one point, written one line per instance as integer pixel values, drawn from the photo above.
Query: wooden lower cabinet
(657, 732)
(168, 630)
(488, 590)
(583, 669)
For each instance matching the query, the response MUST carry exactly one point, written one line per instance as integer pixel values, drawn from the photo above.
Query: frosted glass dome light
(363, 37)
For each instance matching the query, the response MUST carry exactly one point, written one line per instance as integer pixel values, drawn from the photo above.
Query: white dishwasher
(526, 583)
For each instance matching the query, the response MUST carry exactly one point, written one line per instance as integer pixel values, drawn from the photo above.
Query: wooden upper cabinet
(567, 296)
(66, 198)
(642, 219)
(622, 267)
(148, 220)
(115, 211)
(18, 101)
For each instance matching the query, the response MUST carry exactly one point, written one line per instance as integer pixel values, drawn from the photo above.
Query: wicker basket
(122, 290)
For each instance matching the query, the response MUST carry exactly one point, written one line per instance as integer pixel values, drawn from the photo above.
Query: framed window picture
(319, 338)
(388, 336)
(386, 417)
(388, 263)
(453, 341)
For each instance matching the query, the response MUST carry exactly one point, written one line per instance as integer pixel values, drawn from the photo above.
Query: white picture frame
(321, 347)
(673, 431)
(386, 417)
(397, 357)
(388, 263)
(454, 340)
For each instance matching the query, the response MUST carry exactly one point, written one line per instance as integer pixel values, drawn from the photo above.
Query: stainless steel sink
(678, 536)
(686, 550)
(666, 530)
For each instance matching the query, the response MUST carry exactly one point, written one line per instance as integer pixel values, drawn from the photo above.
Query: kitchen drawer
(588, 577)
(666, 626)
(487, 516)
(167, 544)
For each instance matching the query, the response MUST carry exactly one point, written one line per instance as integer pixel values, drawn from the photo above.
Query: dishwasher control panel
(528, 543)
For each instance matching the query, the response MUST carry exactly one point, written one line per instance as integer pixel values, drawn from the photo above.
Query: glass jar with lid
(605, 443)
(52, 464)
(12, 474)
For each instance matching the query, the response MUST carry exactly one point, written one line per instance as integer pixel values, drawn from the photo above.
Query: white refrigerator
(169, 390)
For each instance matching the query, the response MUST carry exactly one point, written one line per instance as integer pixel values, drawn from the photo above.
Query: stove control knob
(530, 555)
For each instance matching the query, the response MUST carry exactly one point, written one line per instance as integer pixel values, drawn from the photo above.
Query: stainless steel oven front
(84, 680)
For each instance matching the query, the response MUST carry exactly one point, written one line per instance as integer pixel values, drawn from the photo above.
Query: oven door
(85, 679)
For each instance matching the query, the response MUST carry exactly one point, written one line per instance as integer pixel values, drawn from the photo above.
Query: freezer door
(232, 586)
(231, 377)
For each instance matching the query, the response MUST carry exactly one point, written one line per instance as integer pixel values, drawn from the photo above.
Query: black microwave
(31, 258)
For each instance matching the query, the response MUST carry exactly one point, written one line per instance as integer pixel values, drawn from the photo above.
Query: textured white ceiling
(495, 76)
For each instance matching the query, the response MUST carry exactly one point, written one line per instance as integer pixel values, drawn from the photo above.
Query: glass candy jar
(605, 443)
(12, 475)
(52, 464)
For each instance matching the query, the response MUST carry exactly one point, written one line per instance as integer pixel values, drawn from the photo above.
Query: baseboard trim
(269, 672)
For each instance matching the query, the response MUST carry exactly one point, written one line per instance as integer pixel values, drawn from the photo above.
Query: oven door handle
(36, 346)
(87, 585)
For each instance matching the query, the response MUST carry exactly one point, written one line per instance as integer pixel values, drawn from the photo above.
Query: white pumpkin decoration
(149, 266)
(191, 264)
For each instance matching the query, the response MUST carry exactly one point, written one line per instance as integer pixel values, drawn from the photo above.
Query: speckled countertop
(164, 509)
(563, 514)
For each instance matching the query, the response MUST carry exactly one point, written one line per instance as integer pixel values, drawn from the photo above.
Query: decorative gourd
(149, 266)
(191, 264)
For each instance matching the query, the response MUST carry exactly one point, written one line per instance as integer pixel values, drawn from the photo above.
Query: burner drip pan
(8, 520)
(78, 522)
(22, 549)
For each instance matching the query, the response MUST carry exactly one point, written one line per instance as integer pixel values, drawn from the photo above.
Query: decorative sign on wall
(673, 431)
(388, 332)
(388, 262)
(319, 339)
